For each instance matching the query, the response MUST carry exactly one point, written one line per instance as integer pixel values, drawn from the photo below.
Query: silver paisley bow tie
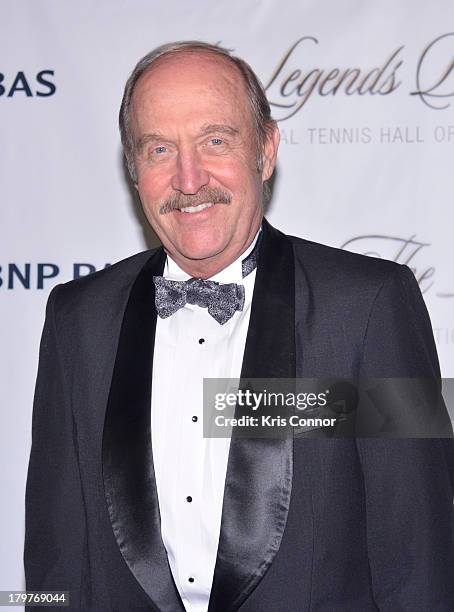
(221, 300)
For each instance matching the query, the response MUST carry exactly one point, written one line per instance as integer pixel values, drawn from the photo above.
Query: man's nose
(190, 175)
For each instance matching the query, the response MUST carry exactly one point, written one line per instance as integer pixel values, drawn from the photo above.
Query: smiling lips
(206, 197)
(196, 209)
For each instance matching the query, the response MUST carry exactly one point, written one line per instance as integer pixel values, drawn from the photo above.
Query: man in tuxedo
(128, 506)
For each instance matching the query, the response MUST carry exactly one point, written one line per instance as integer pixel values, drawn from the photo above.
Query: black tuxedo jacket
(307, 524)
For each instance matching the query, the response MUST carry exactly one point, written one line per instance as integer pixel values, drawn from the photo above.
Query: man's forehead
(199, 86)
(192, 67)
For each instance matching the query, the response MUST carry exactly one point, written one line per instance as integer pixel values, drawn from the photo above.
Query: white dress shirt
(190, 470)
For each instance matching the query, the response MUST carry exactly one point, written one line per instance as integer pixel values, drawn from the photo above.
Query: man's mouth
(196, 209)
(205, 198)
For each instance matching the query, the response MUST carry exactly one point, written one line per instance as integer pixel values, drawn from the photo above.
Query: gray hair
(256, 95)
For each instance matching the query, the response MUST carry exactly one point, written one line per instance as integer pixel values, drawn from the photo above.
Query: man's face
(196, 159)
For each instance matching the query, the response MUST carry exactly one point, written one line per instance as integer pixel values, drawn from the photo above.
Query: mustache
(207, 194)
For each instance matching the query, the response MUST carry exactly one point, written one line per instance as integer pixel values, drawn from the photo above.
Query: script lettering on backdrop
(435, 87)
(401, 250)
(291, 85)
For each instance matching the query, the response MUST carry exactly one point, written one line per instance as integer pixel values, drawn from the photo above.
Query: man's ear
(269, 153)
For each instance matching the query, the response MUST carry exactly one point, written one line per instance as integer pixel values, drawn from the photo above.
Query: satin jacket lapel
(128, 472)
(259, 472)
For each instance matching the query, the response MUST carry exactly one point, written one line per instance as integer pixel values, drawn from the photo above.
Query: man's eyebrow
(146, 138)
(220, 128)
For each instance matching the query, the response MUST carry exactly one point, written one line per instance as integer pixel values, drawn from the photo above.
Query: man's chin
(201, 254)
(197, 248)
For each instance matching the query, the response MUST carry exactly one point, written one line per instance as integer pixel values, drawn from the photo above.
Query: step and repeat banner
(364, 96)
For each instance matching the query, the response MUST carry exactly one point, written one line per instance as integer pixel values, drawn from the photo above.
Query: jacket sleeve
(55, 526)
(408, 482)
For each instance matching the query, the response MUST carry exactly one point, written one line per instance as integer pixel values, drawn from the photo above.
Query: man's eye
(217, 141)
(159, 150)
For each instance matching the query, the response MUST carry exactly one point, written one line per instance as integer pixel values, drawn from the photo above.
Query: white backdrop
(364, 92)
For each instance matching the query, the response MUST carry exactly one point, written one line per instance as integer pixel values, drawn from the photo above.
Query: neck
(199, 269)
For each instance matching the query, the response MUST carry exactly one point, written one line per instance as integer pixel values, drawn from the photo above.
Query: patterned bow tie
(221, 300)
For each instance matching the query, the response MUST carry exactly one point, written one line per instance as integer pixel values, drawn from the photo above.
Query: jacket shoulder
(340, 268)
(102, 288)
